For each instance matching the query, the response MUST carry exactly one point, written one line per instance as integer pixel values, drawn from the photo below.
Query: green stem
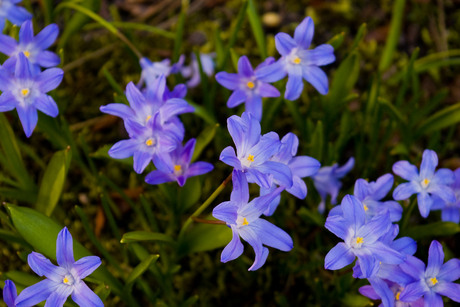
(204, 205)
(407, 214)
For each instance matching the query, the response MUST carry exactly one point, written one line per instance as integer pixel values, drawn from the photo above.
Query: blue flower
(63, 280)
(435, 280)
(32, 47)
(254, 152)
(243, 217)
(300, 166)
(450, 210)
(247, 87)
(176, 166)
(193, 70)
(426, 183)
(145, 143)
(327, 181)
(26, 92)
(370, 194)
(16, 14)
(9, 293)
(395, 293)
(298, 62)
(153, 70)
(361, 239)
(156, 100)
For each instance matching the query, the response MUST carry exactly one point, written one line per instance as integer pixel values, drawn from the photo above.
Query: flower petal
(253, 106)
(386, 254)
(432, 299)
(280, 172)
(26, 32)
(261, 252)
(29, 117)
(267, 90)
(450, 271)
(321, 55)
(118, 109)
(46, 37)
(435, 259)
(424, 203)
(337, 225)
(405, 190)
(47, 59)
(414, 267)
(36, 293)
(86, 265)
(7, 102)
(158, 177)
(353, 212)
(413, 291)
(47, 105)
(135, 97)
(405, 170)
(240, 192)
(64, 249)
(199, 168)
(294, 86)
(42, 266)
(304, 166)
(49, 79)
(338, 257)
(59, 296)
(236, 98)
(228, 80)
(449, 289)
(245, 67)
(234, 248)
(84, 296)
(9, 293)
(226, 211)
(298, 188)
(316, 77)
(429, 163)
(8, 45)
(304, 33)
(272, 72)
(22, 69)
(228, 156)
(272, 235)
(383, 291)
(284, 43)
(141, 159)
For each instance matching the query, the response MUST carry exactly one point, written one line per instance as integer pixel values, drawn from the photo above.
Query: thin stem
(204, 205)
(198, 220)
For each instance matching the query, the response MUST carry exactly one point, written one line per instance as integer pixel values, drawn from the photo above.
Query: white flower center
(68, 280)
(425, 182)
(357, 242)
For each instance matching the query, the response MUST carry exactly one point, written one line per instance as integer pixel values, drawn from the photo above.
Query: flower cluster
(364, 222)
(297, 61)
(23, 84)
(156, 132)
(61, 281)
(15, 14)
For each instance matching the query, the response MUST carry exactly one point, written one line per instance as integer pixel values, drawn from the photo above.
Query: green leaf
(140, 269)
(180, 31)
(432, 230)
(136, 26)
(312, 216)
(41, 232)
(205, 137)
(135, 236)
(337, 40)
(12, 156)
(189, 194)
(393, 35)
(257, 30)
(442, 119)
(317, 142)
(356, 300)
(53, 181)
(204, 237)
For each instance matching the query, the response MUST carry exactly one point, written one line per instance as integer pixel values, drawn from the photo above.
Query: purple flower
(300, 166)
(193, 70)
(370, 194)
(63, 280)
(450, 210)
(26, 92)
(298, 62)
(361, 239)
(395, 292)
(426, 183)
(247, 87)
(153, 70)
(16, 14)
(254, 152)
(327, 181)
(176, 166)
(9, 293)
(145, 143)
(32, 47)
(157, 99)
(243, 218)
(435, 280)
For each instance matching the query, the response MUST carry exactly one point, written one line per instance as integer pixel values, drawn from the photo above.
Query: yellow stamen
(250, 84)
(250, 158)
(148, 117)
(297, 60)
(149, 142)
(434, 281)
(425, 182)
(365, 208)
(25, 92)
(359, 240)
(65, 280)
(245, 221)
(398, 294)
(177, 168)
(27, 54)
